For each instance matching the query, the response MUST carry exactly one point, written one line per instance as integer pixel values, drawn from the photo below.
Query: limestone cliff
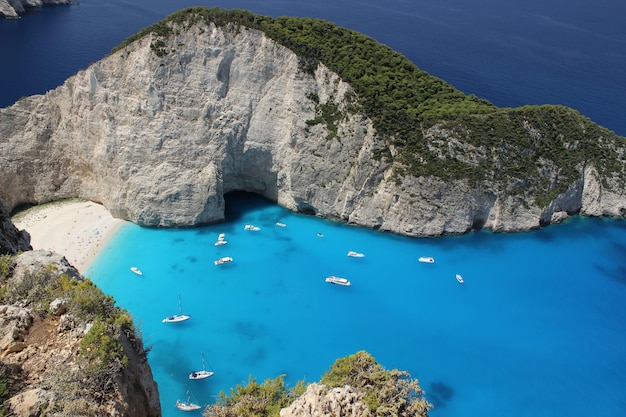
(43, 355)
(319, 401)
(12, 240)
(162, 128)
(14, 8)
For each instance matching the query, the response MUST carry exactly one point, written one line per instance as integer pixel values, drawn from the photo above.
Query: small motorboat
(338, 280)
(279, 224)
(459, 278)
(426, 259)
(251, 227)
(136, 270)
(221, 240)
(354, 254)
(223, 260)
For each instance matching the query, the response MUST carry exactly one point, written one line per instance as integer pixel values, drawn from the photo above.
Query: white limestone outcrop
(159, 132)
(320, 401)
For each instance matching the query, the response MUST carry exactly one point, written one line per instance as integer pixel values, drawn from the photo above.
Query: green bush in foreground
(254, 399)
(102, 354)
(386, 393)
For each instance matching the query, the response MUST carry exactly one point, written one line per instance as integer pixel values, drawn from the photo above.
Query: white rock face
(159, 140)
(318, 401)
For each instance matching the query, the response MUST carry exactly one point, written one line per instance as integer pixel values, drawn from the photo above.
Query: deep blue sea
(570, 52)
(538, 328)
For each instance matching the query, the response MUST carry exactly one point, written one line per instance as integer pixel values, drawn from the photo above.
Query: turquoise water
(538, 328)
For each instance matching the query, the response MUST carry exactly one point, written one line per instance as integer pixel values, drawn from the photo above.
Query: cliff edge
(12, 240)
(204, 103)
(65, 349)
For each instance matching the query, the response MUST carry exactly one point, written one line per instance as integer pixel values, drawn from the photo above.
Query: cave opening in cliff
(479, 223)
(238, 203)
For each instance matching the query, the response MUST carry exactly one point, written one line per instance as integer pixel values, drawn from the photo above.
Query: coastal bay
(561, 319)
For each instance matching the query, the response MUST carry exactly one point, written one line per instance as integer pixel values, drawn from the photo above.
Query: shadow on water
(239, 203)
(617, 274)
(439, 394)
(255, 356)
(177, 268)
(616, 269)
(249, 330)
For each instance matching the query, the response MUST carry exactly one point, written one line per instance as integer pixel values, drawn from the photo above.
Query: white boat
(337, 280)
(177, 317)
(279, 224)
(223, 260)
(221, 240)
(251, 227)
(202, 373)
(187, 405)
(354, 254)
(136, 270)
(459, 278)
(426, 259)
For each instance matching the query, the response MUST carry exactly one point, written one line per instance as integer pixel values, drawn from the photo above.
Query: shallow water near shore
(538, 327)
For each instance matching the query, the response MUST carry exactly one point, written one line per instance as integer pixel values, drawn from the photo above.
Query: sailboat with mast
(202, 373)
(187, 405)
(177, 317)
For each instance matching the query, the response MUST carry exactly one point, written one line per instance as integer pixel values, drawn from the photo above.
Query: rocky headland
(14, 8)
(198, 106)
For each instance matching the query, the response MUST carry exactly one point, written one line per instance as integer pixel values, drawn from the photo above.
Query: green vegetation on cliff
(255, 400)
(430, 127)
(385, 392)
(101, 353)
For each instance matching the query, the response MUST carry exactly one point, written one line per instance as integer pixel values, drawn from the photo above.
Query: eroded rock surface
(160, 130)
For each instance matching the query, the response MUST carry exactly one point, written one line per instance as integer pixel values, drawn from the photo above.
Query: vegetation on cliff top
(101, 354)
(385, 392)
(431, 127)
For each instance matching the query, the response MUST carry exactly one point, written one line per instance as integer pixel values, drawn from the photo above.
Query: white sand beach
(77, 229)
